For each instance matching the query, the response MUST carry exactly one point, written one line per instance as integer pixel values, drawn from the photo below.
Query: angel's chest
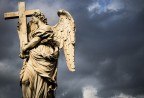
(45, 50)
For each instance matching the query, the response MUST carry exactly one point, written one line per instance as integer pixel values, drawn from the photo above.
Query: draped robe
(39, 71)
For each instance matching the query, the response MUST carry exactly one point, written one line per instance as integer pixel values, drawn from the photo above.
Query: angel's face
(33, 27)
(35, 19)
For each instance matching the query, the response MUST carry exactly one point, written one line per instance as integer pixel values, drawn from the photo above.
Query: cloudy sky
(109, 48)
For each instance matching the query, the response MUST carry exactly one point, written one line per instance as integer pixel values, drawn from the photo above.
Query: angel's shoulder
(48, 28)
(45, 28)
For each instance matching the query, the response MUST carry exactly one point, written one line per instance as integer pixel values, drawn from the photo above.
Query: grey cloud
(109, 50)
(121, 41)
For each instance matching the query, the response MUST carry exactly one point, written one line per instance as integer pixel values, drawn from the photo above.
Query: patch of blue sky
(103, 5)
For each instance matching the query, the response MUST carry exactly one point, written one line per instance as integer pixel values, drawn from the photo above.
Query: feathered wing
(64, 33)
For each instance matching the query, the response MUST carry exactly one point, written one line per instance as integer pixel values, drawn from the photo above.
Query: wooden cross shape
(21, 14)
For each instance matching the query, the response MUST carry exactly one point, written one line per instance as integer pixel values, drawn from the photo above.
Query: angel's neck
(40, 24)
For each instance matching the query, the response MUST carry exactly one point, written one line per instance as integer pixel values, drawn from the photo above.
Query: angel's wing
(64, 33)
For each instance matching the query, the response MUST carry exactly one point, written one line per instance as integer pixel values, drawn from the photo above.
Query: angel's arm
(24, 52)
(32, 43)
(36, 40)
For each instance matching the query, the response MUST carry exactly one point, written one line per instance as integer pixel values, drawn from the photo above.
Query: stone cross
(22, 13)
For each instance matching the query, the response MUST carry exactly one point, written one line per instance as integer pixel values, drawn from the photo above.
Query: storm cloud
(109, 48)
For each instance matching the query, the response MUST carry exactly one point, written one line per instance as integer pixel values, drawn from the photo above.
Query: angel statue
(38, 76)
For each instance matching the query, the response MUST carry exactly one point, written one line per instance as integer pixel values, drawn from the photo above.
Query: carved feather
(64, 33)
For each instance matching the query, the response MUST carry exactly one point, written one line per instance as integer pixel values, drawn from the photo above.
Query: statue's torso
(44, 56)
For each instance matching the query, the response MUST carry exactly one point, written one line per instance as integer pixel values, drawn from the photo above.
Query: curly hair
(40, 16)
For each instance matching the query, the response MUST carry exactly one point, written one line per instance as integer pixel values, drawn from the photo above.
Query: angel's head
(39, 16)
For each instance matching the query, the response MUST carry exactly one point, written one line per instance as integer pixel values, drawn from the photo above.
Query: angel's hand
(25, 47)
(53, 56)
(46, 35)
(24, 53)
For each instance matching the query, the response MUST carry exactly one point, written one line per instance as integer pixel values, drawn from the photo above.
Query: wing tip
(72, 69)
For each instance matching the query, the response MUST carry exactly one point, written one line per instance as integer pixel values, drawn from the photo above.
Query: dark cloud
(113, 50)
(109, 49)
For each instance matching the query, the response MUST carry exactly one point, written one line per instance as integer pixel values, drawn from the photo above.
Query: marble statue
(40, 44)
